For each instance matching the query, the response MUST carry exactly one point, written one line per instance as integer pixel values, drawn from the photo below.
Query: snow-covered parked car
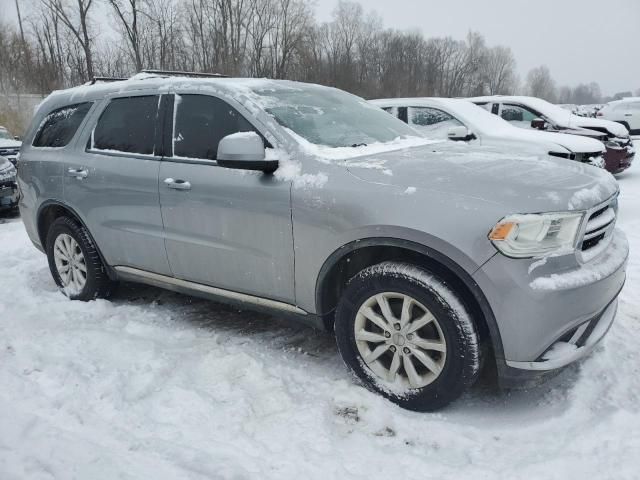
(461, 120)
(8, 185)
(535, 113)
(625, 111)
(9, 146)
(426, 259)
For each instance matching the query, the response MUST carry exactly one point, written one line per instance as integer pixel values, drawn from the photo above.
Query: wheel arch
(51, 210)
(351, 258)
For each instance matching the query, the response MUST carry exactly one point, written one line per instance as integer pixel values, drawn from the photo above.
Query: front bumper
(8, 195)
(541, 305)
(617, 160)
(575, 346)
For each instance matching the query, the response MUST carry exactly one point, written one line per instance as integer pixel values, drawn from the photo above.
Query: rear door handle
(78, 173)
(177, 184)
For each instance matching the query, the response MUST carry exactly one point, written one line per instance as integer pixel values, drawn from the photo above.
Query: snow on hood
(574, 143)
(615, 128)
(527, 183)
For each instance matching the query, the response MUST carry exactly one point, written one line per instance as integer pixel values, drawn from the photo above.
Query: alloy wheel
(400, 340)
(70, 264)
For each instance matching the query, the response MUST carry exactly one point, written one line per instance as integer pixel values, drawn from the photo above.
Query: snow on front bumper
(539, 303)
(576, 345)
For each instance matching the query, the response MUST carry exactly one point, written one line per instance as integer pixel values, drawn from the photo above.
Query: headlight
(535, 235)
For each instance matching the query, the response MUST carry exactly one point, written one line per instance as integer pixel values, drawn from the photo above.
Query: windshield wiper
(358, 145)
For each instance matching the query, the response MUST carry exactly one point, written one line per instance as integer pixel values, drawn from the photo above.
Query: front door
(226, 228)
(112, 182)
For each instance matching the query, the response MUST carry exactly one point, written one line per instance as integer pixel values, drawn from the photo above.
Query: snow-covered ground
(153, 385)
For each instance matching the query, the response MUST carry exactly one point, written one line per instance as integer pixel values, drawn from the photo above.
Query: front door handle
(177, 184)
(628, 114)
(78, 173)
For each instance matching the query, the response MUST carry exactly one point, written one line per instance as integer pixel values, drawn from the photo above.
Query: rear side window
(128, 125)
(201, 121)
(58, 128)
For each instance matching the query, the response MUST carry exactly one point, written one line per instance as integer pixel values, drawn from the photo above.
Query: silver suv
(426, 259)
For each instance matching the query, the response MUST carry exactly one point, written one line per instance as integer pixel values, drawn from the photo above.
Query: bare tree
(499, 71)
(74, 15)
(540, 84)
(128, 13)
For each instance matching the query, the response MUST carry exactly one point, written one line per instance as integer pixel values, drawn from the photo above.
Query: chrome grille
(599, 226)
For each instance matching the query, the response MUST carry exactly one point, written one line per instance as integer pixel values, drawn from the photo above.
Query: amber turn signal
(501, 231)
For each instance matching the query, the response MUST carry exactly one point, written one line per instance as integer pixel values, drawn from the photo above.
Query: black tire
(463, 358)
(98, 284)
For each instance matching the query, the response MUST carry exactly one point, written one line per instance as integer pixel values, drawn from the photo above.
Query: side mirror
(459, 133)
(244, 151)
(538, 124)
(17, 137)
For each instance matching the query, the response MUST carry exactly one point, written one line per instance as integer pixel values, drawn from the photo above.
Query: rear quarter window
(58, 127)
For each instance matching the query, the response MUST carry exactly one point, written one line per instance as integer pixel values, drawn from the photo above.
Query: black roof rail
(175, 73)
(94, 80)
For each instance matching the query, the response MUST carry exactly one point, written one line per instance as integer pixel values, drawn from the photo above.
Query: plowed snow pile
(153, 385)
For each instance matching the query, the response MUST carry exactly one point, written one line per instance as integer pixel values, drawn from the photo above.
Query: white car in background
(9, 146)
(625, 111)
(461, 120)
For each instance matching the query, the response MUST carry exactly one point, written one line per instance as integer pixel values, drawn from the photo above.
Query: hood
(522, 184)
(614, 128)
(8, 143)
(574, 143)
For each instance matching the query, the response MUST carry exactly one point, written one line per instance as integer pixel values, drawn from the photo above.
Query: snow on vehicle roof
(553, 112)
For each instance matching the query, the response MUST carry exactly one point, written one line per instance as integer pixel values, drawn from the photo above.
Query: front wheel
(75, 263)
(407, 336)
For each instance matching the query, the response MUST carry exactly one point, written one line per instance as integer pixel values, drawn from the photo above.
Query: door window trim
(116, 153)
(168, 126)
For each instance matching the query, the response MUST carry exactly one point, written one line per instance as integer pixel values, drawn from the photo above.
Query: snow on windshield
(329, 117)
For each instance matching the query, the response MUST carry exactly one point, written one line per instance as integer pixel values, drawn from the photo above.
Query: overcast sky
(579, 40)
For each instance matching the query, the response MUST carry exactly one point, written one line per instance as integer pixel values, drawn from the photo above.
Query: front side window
(5, 135)
(201, 121)
(434, 123)
(58, 127)
(127, 125)
(517, 114)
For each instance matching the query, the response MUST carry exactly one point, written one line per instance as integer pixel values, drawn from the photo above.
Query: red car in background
(531, 112)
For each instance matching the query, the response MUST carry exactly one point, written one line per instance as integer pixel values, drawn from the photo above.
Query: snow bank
(155, 385)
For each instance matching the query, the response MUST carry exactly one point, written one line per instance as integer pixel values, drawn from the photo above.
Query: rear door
(112, 182)
(226, 228)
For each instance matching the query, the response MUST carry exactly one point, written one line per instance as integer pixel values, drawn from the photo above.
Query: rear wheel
(75, 263)
(407, 336)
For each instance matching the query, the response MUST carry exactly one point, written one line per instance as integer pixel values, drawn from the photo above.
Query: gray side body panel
(232, 229)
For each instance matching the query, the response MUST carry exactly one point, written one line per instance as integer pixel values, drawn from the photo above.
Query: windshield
(331, 117)
(5, 135)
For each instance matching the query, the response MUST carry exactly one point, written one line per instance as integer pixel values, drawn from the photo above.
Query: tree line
(62, 43)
